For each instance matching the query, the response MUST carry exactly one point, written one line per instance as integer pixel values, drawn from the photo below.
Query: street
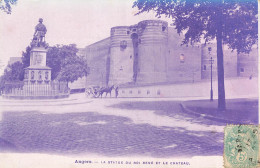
(107, 127)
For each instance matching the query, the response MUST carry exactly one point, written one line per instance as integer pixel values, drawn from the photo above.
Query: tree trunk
(220, 64)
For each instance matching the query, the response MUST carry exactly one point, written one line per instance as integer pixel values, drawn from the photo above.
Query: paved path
(107, 127)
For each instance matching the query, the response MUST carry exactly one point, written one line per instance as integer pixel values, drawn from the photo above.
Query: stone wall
(230, 61)
(183, 62)
(234, 87)
(150, 52)
(121, 56)
(97, 56)
(248, 64)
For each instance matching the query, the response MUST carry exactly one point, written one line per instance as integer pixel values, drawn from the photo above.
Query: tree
(5, 5)
(61, 58)
(26, 57)
(13, 72)
(230, 22)
(54, 60)
(65, 64)
(72, 69)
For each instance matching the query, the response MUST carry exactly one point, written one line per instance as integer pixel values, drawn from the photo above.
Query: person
(116, 90)
(40, 31)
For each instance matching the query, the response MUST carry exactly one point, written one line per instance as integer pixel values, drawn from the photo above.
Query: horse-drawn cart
(97, 91)
(93, 91)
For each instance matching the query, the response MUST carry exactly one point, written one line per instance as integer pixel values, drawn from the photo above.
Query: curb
(42, 104)
(210, 117)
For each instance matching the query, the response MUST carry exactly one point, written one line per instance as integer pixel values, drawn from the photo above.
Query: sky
(81, 22)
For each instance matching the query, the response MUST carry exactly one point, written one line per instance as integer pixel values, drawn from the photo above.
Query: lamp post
(211, 90)
(211, 61)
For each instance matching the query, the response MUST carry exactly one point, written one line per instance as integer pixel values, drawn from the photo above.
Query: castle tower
(121, 56)
(152, 50)
(247, 64)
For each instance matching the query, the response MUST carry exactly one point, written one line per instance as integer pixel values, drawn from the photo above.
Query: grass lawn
(239, 110)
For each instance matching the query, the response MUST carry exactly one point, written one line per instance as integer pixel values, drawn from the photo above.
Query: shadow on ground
(238, 111)
(106, 135)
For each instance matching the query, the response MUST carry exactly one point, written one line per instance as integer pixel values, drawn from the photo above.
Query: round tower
(152, 51)
(121, 56)
(247, 64)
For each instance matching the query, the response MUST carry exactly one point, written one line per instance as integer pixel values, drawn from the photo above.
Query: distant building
(151, 52)
(14, 59)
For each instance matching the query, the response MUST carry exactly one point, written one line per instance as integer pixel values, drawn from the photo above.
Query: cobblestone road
(107, 127)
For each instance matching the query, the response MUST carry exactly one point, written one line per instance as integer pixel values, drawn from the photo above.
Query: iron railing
(36, 89)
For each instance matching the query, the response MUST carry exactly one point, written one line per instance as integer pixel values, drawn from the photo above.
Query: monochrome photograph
(129, 83)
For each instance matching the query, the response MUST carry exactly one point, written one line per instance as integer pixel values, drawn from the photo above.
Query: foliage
(6, 5)
(72, 69)
(14, 72)
(65, 64)
(231, 22)
(54, 60)
(26, 57)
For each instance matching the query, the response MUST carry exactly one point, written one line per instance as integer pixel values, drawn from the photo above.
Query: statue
(39, 35)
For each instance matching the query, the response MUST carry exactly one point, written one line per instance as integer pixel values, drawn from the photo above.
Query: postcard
(132, 83)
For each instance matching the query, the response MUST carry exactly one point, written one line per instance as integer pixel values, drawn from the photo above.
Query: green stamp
(241, 146)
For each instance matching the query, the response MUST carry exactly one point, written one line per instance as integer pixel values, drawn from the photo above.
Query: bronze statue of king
(39, 35)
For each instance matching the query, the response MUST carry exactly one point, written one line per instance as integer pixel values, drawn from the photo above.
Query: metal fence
(36, 89)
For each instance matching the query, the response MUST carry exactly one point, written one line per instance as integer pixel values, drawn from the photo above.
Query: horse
(107, 90)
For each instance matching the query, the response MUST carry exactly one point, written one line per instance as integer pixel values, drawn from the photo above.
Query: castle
(150, 52)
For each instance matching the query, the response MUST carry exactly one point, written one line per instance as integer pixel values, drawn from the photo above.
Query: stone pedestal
(37, 72)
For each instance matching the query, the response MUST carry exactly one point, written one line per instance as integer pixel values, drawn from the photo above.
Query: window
(139, 91)
(209, 49)
(148, 92)
(130, 56)
(204, 68)
(182, 58)
(134, 30)
(128, 32)
(158, 92)
(242, 70)
(163, 28)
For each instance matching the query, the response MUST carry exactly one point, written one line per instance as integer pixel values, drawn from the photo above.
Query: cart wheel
(96, 94)
(88, 92)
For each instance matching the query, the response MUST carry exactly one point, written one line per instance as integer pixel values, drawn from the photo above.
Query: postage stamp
(241, 146)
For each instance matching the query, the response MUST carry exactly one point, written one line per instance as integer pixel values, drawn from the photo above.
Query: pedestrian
(116, 90)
